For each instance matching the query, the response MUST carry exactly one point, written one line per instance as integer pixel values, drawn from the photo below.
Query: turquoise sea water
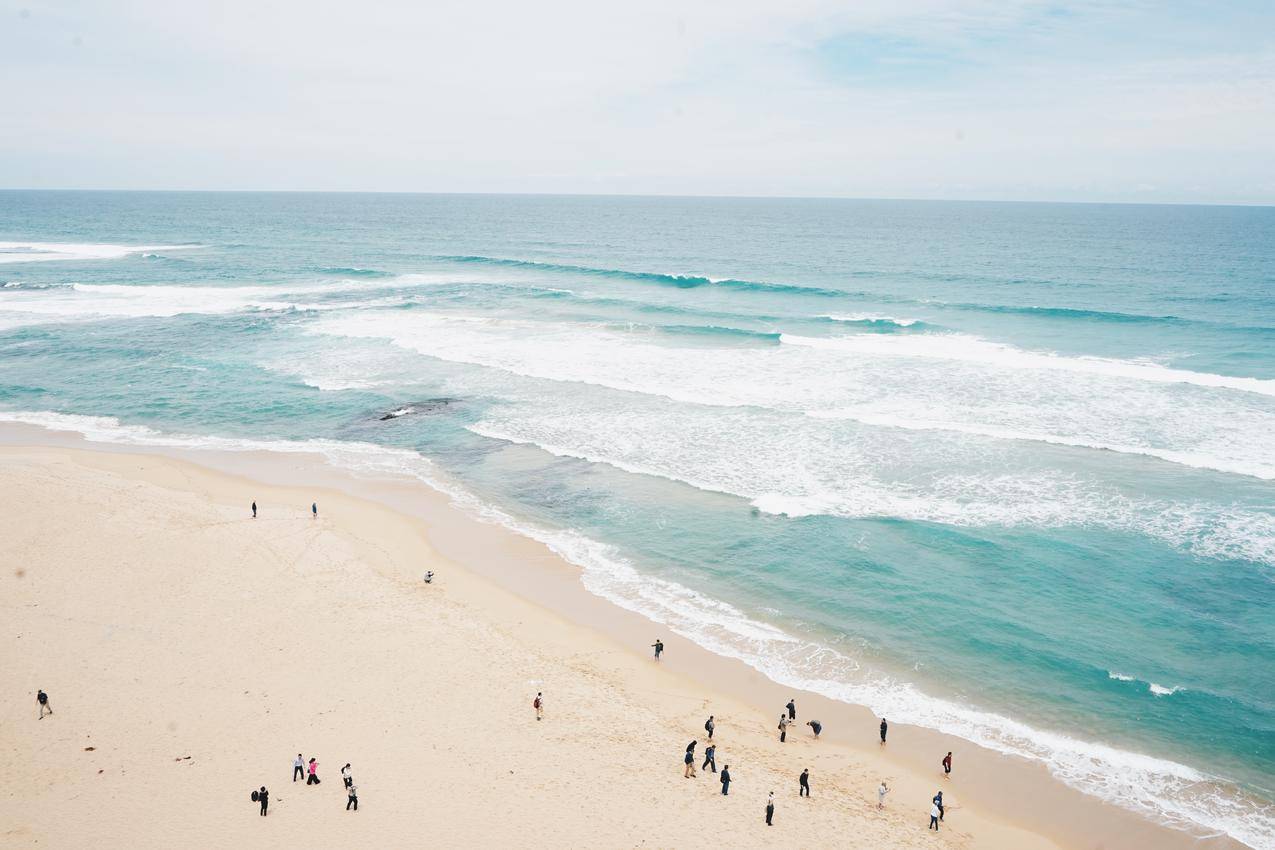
(1005, 470)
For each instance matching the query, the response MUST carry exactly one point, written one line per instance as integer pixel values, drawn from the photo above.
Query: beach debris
(89, 749)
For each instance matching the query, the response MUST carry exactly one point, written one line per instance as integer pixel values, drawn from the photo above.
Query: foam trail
(973, 349)
(1164, 790)
(34, 252)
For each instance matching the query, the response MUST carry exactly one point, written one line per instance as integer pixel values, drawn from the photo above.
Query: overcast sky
(1000, 99)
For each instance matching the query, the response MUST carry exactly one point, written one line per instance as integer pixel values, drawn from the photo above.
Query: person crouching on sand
(43, 699)
(815, 726)
(689, 760)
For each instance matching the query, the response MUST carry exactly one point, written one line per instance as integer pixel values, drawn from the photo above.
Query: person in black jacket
(263, 797)
(726, 780)
(804, 783)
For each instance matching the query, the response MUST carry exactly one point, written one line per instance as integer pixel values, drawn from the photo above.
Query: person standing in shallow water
(884, 727)
(770, 808)
(658, 646)
(803, 783)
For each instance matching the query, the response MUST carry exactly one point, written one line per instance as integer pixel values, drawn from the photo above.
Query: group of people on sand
(314, 509)
(310, 773)
(786, 719)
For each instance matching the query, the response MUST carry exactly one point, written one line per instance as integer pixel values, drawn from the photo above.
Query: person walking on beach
(938, 803)
(815, 726)
(298, 768)
(947, 766)
(934, 817)
(689, 760)
(783, 728)
(347, 776)
(709, 726)
(710, 758)
(882, 790)
(803, 783)
(43, 699)
(314, 509)
(792, 709)
(884, 727)
(659, 648)
(352, 800)
(539, 705)
(263, 797)
(726, 781)
(314, 773)
(770, 808)
(254, 510)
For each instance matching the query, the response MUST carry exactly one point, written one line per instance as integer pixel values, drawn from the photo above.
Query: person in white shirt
(298, 768)
(347, 775)
(934, 817)
(882, 790)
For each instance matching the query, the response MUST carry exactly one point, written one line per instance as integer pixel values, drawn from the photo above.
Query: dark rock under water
(426, 407)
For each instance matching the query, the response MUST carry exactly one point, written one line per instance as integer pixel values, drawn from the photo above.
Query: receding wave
(34, 252)
(1164, 790)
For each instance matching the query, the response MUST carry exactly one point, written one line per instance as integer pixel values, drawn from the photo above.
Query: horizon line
(740, 197)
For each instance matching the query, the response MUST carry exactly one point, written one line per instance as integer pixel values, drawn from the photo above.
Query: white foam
(860, 318)
(1161, 690)
(1119, 677)
(33, 252)
(89, 302)
(972, 349)
(1168, 792)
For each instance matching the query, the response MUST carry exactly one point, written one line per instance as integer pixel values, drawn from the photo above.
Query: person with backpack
(709, 726)
(689, 760)
(314, 773)
(43, 699)
(710, 758)
(263, 797)
(659, 648)
(539, 705)
(298, 768)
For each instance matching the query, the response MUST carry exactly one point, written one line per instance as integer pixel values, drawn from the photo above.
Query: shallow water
(1006, 470)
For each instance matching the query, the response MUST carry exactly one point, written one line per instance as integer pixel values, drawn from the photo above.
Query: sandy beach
(190, 652)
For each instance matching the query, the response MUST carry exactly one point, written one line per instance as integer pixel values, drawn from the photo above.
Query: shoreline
(1002, 796)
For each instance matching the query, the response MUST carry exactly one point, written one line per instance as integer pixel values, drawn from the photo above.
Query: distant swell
(681, 281)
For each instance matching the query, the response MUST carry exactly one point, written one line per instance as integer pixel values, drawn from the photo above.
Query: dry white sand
(190, 652)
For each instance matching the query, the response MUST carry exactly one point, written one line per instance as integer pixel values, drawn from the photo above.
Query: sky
(1071, 100)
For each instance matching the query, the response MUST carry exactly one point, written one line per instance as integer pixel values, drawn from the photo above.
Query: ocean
(1003, 470)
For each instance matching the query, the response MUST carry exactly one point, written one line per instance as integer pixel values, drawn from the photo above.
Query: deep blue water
(1006, 470)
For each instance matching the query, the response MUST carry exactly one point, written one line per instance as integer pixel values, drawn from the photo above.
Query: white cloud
(1021, 99)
